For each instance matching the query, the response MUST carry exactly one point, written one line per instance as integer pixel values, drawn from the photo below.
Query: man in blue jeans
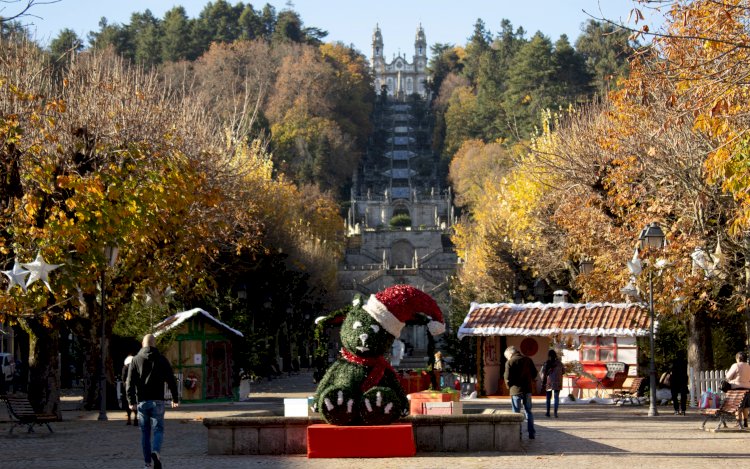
(148, 372)
(520, 376)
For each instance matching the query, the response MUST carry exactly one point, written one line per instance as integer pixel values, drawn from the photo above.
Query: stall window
(598, 349)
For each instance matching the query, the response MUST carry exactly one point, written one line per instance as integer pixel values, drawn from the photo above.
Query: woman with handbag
(739, 378)
(552, 378)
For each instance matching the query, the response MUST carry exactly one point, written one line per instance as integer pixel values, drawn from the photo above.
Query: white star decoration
(16, 276)
(39, 271)
(635, 264)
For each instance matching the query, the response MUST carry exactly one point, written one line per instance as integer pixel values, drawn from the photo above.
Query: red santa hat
(396, 305)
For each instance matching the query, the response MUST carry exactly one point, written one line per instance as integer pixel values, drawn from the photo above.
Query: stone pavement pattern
(585, 435)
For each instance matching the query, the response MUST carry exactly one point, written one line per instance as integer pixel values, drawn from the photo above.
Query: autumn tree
(84, 185)
(307, 121)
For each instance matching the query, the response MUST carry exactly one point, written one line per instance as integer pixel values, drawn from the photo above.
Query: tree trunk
(91, 339)
(84, 331)
(700, 344)
(44, 366)
(747, 293)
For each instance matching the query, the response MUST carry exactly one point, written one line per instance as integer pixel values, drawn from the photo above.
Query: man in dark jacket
(520, 376)
(148, 372)
(678, 383)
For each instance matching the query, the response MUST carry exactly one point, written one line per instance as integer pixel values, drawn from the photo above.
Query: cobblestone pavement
(585, 435)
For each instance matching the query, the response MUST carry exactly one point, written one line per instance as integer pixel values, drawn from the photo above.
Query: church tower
(420, 60)
(420, 50)
(377, 49)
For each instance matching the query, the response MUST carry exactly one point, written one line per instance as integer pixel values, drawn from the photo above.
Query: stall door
(218, 369)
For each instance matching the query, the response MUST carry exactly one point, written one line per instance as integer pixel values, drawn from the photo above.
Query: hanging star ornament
(635, 264)
(16, 276)
(40, 271)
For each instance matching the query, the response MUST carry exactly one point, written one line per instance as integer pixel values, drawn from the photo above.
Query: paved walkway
(585, 435)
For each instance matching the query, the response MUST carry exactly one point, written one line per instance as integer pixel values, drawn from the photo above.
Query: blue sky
(352, 21)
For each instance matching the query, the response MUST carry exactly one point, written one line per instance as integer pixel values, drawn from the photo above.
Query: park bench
(623, 395)
(21, 413)
(731, 406)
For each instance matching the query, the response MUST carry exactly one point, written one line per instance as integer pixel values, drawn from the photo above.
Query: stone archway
(400, 209)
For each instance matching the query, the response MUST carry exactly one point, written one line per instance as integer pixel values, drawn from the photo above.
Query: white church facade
(400, 77)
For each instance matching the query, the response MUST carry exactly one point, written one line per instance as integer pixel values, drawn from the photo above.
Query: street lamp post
(110, 254)
(652, 237)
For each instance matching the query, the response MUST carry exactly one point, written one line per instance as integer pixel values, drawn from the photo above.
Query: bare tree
(19, 8)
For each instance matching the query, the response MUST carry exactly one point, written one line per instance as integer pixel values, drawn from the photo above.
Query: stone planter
(499, 432)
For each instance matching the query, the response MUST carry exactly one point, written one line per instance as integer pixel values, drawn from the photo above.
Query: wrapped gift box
(414, 381)
(376, 441)
(418, 398)
(442, 408)
(298, 407)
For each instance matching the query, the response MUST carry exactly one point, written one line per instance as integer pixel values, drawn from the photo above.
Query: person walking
(148, 372)
(678, 383)
(738, 377)
(552, 379)
(520, 376)
(123, 392)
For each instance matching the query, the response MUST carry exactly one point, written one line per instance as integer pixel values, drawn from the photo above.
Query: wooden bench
(731, 406)
(621, 396)
(22, 413)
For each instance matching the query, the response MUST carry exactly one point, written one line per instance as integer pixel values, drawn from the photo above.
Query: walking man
(149, 370)
(520, 376)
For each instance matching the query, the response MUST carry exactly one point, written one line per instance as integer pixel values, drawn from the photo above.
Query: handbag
(709, 400)
(724, 385)
(666, 379)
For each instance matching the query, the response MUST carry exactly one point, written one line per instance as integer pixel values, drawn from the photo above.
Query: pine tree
(115, 35)
(573, 78)
(177, 39)
(478, 45)
(605, 51)
(145, 29)
(250, 23)
(531, 83)
(67, 41)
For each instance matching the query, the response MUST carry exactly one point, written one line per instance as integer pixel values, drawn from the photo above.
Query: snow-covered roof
(546, 319)
(176, 319)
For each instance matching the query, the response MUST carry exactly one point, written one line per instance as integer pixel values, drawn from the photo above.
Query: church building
(400, 77)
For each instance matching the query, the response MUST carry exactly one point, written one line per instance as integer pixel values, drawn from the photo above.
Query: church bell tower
(420, 60)
(378, 59)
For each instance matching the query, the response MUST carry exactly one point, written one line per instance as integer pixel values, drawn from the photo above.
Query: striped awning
(548, 319)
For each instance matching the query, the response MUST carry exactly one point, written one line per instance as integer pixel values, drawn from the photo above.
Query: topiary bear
(361, 387)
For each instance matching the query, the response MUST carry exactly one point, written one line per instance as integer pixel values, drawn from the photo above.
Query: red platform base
(377, 441)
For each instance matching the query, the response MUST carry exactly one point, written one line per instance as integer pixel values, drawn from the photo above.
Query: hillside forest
(216, 151)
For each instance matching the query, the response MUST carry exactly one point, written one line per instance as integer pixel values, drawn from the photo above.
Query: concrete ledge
(432, 433)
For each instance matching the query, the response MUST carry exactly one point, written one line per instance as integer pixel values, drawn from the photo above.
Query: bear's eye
(375, 328)
(356, 325)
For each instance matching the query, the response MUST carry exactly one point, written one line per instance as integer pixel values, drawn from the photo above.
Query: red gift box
(418, 398)
(375, 441)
